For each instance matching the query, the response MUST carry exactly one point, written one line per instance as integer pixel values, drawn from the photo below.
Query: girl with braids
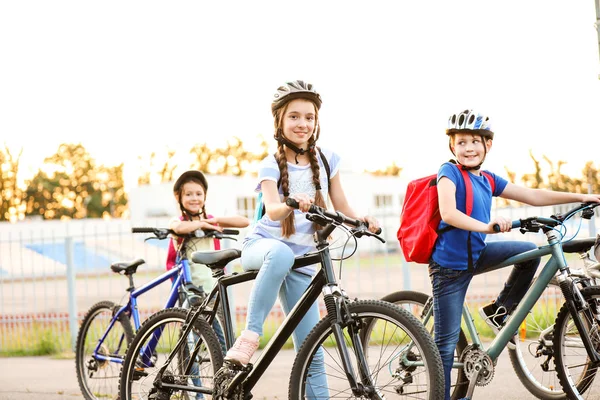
(296, 170)
(190, 193)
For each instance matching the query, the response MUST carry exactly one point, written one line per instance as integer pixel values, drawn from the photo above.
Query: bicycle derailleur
(228, 381)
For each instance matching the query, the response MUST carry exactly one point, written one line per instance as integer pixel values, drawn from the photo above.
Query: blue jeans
(274, 260)
(450, 287)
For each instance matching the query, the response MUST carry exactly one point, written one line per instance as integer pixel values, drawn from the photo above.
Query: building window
(383, 200)
(246, 206)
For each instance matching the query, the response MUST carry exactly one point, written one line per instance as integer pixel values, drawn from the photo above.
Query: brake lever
(228, 237)
(363, 230)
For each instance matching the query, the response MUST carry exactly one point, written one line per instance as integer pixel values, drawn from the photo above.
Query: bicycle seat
(578, 245)
(216, 259)
(128, 267)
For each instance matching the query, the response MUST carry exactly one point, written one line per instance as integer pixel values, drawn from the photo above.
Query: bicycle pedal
(139, 373)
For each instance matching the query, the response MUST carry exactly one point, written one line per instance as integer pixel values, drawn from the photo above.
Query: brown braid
(288, 225)
(316, 171)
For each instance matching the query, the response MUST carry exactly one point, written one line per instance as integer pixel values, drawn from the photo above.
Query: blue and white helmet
(470, 121)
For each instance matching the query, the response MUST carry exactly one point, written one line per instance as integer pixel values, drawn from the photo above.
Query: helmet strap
(287, 143)
(189, 216)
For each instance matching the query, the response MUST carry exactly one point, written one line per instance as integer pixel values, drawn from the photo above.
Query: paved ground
(29, 378)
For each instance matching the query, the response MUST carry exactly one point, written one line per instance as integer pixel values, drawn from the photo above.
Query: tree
(70, 185)
(163, 172)
(534, 180)
(233, 159)
(10, 208)
(390, 170)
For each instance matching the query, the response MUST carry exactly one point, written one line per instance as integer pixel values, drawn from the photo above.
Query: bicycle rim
(576, 372)
(99, 379)
(141, 367)
(533, 356)
(395, 338)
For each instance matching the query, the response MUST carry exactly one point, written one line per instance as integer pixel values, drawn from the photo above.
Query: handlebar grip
(230, 232)
(292, 203)
(143, 230)
(515, 224)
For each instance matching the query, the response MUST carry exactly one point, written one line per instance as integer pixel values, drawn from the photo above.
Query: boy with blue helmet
(461, 253)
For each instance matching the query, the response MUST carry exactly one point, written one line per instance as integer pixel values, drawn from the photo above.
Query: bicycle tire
(533, 356)
(136, 379)
(574, 387)
(88, 336)
(408, 297)
(362, 310)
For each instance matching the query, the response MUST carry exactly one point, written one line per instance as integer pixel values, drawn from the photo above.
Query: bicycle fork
(340, 316)
(573, 297)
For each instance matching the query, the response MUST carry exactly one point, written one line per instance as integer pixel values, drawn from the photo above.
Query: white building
(380, 196)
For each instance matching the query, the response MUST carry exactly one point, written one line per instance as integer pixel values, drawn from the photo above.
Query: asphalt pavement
(29, 378)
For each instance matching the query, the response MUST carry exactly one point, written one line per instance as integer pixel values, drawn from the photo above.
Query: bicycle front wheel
(575, 370)
(99, 378)
(151, 347)
(395, 358)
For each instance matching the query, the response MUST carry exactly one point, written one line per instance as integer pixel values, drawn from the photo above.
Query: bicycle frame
(553, 265)
(324, 281)
(180, 273)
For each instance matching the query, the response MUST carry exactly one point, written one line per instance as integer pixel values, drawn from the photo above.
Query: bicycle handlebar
(323, 216)
(534, 224)
(163, 233)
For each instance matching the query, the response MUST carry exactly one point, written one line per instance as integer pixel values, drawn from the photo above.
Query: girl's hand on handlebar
(304, 201)
(210, 223)
(503, 223)
(373, 224)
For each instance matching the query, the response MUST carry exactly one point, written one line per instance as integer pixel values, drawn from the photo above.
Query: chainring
(222, 380)
(474, 360)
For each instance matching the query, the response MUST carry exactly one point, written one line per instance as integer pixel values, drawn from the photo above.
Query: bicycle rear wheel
(532, 357)
(149, 351)
(576, 372)
(414, 302)
(99, 379)
(394, 341)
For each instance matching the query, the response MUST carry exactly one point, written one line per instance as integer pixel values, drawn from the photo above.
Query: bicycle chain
(475, 359)
(222, 379)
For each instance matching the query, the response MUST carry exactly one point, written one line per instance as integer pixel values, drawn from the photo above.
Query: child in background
(190, 192)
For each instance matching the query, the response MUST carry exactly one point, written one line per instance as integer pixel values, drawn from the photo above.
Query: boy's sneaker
(243, 348)
(495, 316)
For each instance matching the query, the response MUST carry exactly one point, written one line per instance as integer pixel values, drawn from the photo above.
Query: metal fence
(51, 272)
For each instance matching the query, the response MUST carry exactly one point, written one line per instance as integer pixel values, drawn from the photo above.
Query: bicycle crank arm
(473, 382)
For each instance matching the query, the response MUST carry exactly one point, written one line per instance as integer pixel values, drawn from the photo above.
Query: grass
(35, 339)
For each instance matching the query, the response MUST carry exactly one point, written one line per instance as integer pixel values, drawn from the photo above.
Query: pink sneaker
(243, 348)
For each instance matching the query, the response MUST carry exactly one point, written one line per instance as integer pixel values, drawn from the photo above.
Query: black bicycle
(360, 339)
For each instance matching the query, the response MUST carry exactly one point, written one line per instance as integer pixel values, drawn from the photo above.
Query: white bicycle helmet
(471, 122)
(294, 90)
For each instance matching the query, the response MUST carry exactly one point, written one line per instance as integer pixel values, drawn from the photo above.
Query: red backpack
(421, 217)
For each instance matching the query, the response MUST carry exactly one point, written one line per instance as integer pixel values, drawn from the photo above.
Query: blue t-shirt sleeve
(268, 170)
(449, 171)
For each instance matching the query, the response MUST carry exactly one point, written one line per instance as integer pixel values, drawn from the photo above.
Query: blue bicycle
(107, 330)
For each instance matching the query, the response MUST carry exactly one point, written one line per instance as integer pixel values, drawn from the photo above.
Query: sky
(126, 78)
